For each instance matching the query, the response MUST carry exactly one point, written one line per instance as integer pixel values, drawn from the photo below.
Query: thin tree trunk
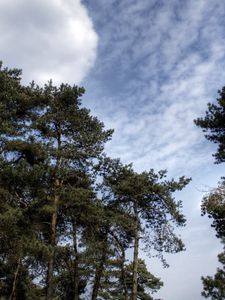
(124, 275)
(49, 293)
(123, 259)
(98, 276)
(13, 293)
(99, 271)
(76, 275)
(135, 257)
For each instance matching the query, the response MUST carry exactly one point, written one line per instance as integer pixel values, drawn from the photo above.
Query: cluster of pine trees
(69, 213)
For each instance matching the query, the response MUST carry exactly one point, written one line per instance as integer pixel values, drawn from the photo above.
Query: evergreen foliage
(68, 214)
(213, 204)
(214, 287)
(213, 125)
(147, 198)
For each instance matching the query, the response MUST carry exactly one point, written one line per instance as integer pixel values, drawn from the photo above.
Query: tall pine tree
(53, 143)
(148, 199)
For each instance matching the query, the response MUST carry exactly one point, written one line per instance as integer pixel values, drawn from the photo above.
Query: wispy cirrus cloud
(159, 63)
(51, 39)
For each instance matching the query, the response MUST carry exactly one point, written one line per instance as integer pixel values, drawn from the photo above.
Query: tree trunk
(122, 269)
(135, 257)
(98, 276)
(124, 275)
(98, 272)
(75, 266)
(13, 293)
(49, 293)
(52, 241)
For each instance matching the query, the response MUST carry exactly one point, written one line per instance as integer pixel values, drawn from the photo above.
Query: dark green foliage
(213, 204)
(112, 286)
(66, 210)
(214, 287)
(147, 282)
(152, 194)
(48, 147)
(147, 199)
(213, 124)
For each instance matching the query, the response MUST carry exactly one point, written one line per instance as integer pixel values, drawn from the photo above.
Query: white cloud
(166, 62)
(51, 39)
(159, 64)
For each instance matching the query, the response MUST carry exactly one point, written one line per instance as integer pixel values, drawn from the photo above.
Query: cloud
(52, 39)
(159, 63)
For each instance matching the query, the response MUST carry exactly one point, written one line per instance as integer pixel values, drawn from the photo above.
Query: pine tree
(17, 232)
(147, 198)
(147, 282)
(52, 144)
(62, 230)
(113, 285)
(106, 241)
(213, 125)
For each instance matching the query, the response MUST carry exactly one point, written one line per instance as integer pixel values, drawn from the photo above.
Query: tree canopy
(213, 125)
(69, 213)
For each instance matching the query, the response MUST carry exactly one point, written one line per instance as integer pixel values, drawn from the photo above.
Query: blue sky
(149, 68)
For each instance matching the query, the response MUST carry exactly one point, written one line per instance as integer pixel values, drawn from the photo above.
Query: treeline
(69, 213)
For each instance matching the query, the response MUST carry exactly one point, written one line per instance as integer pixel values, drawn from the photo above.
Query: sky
(149, 68)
